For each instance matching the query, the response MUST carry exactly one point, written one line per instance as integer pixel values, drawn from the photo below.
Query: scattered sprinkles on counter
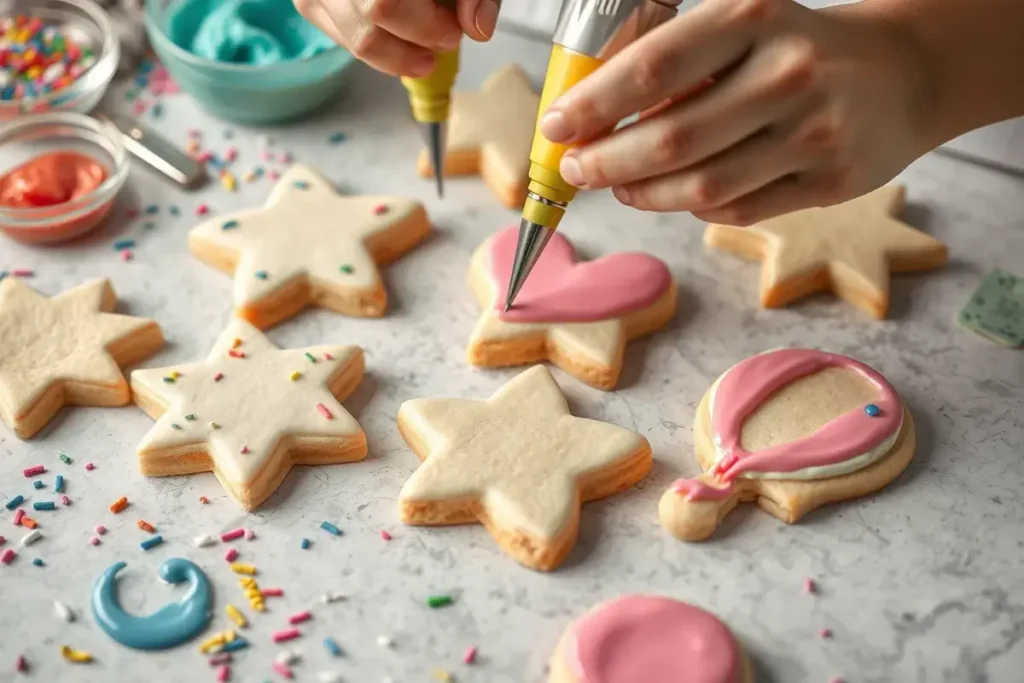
(152, 542)
(65, 459)
(19, 517)
(63, 612)
(30, 538)
(44, 505)
(58, 484)
(246, 569)
(33, 471)
(810, 587)
(118, 505)
(89, 467)
(8, 556)
(65, 501)
(145, 526)
(470, 655)
(100, 529)
(235, 615)
(286, 635)
(20, 664)
(300, 617)
(825, 633)
(436, 601)
(304, 544)
(385, 535)
(232, 535)
(75, 656)
(38, 562)
(332, 646)
(330, 528)
(38, 484)
(231, 555)
(15, 502)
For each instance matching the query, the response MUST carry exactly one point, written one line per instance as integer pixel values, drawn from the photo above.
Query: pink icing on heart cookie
(651, 639)
(561, 290)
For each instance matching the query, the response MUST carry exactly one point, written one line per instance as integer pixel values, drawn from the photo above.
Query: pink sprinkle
(205, 157)
(249, 534)
(220, 658)
(204, 500)
(223, 673)
(328, 356)
(100, 529)
(140, 108)
(2, 540)
(282, 669)
(324, 411)
(300, 617)
(286, 158)
(282, 636)
(380, 209)
(18, 515)
(231, 154)
(89, 467)
(95, 540)
(230, 555)
(65, 501)
(20, 664)
(272, 592)
(218, 376)
(245, 450)
(385, 535)
(232, 535)
(810, 586)
(127, 255)
(267, 156)
(825, 633)
(34, 470)
(202, 210)
(273, 175)
(235, 353)
(9, 556)
(470, 655)
(22, 272)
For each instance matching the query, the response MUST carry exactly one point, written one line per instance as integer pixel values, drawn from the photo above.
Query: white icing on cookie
(600, 342)
(305, 230)
(244, 409)
(520, 452)
(60, 339)
(857, 462)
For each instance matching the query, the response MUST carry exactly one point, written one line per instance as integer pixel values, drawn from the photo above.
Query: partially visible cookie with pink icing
(578, 315)
(792, 429)
(649, 639)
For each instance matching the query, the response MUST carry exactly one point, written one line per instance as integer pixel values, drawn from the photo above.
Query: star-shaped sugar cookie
(490, 132)
(519, 463)
(851, 249)
(589, 347)
(250, 412)
(309, 245)
(65, 350)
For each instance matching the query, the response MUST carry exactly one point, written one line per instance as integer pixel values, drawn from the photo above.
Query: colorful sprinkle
(15, 502)
(119, 505)
(75, 656)
(310, 357)
(304, 544)
(228, 181)
(65, 501)
(58, 484)
(28, 522)
(346, 268)
(385, 535)
(191, 417)
(38, 562)
(330, 528)
(286, 635)
(124, 244)
(223, 673)
(19, 516)
(94, 540)
(213, 425)
(65, 459)
(44, 505)
(470, 655)
(38, 484)
(871, 410)
(436, 601)
(152, 542)
(282, 669)
(202, 210)
(288, 657)
(175, 425)
(30, 538)
(322, 409)
(220, 658)
(385, 641)
(100, 529)
(20, 664)
(232, 535)
(380, 210)
(295, 376)
(300, 184)
(810, 586)
(332, 647)
(261, 275)
(169, 380)
(235, 615)
(337, 138)
(33, 471)
(247, 569)
(22, 272)
(235, 645)
(218, 376)
(231, 555)
(89, 467)
(127, 255)
(203, 500)
(234, 353)
(300, 617)
(204, 541)
(8, 556)
(825, 633)
(145, 526)
(328, 356)
(333, 596)
(244, 450)
(272, 592)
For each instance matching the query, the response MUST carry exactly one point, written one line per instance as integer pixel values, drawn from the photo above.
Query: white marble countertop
(922, 582)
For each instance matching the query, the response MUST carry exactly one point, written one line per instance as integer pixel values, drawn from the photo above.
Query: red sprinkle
(89, 466)
(245, 450)
(230, 555)
(385, 535)
(202, 210)
(22, 272)
(235, 353)
(2, 540)
(100, 529)
(470, 655)
(328, 356)
(204, 500)
(271, 592)
(380, 209)
(287, 634)
(249, 534)
(232, 535)
(33, 471)
(810, 586)
(8, 556)
(324, 411)
(825, 633)
(20, 664)
(300, 617)
(218, 376)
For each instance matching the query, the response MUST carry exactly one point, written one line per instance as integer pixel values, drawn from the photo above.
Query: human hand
(400, 37)
(806, 108)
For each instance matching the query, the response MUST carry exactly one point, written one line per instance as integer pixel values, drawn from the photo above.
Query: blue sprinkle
(38, 484)
(872, 410)
(174, 210)
(58, 484)
(152, 209)
(152, 542)
(261, 274)
(157, 110)
(337, 138)
(38, 562)
(305, 544)
(3, 274)
(145, 67)
(229, 225)
(15, 502)
(330, 528)
(44, 505)
(239, 643)
(121, 245)
(301, 184)
(141, 81)
(332, 647)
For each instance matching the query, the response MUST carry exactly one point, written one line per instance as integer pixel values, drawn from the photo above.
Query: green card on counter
(996, 309)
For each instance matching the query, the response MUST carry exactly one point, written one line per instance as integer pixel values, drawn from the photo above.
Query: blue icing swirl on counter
(254, 32)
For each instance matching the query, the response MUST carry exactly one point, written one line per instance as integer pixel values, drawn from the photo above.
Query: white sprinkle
(63, 611)
(384, 641)
(204, 541)
(30, 538)
(288, 657)
(329, 677)
(333, 596)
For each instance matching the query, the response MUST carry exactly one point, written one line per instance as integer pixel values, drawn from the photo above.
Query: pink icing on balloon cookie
(561, 290)
(652, 639)
(744, 387)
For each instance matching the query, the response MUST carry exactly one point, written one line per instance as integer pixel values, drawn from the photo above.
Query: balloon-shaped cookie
(792, 429)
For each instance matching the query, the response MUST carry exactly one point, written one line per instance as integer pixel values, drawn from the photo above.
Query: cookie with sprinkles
(792, 430)
(65, 350)
(310, 246)
(249, 412)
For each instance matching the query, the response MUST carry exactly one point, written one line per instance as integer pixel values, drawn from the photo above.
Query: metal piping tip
(533, 237)
(435, 135)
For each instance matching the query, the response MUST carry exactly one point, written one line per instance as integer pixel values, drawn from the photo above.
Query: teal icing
(171, 625)
(254, 32)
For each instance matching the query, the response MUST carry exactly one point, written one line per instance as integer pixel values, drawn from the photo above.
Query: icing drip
(652, 639)
(855, 437)
(561, 290)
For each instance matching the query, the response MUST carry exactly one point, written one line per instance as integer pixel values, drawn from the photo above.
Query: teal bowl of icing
(258, 64)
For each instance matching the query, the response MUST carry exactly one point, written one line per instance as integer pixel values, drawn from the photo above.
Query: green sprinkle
(301, 184)
(347, 269)
(262, 274)
(214, 425)
(310, 357)
(175, 425)
(435, 601)
(191, 417)
(168, 380)
(65, 459)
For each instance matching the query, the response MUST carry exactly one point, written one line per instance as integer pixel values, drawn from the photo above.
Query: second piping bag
(431, 99)
(588, 33)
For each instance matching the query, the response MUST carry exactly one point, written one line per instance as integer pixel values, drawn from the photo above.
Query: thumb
(478, 18)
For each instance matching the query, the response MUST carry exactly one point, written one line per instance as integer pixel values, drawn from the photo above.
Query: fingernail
(450, 41)
(422, 66)
(623, 195)
(571, 171)
(486, 17)
(555, 127)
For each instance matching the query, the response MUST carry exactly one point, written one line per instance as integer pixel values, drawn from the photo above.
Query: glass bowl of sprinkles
(59, 175)
(54, 55)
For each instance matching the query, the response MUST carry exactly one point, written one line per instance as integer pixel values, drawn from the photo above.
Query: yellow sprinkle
(175, 374)
(295, 375)
(76, 656)
(443, 676)
(216, 640)
(236, 616)
(249, 177)
(228, 181)
(239, 568)
(229, 636)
